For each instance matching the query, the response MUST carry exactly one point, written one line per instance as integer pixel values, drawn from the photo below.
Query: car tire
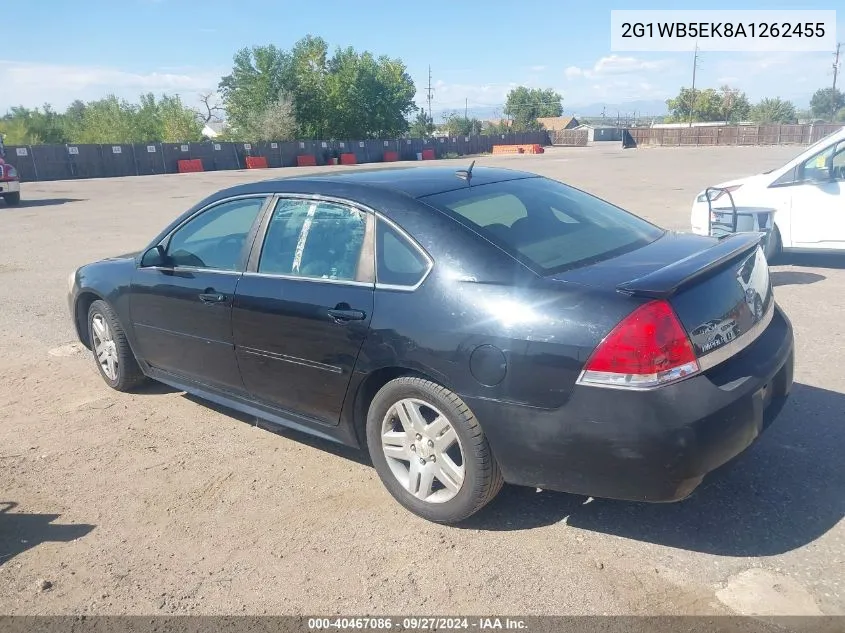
(110, 349)
(13, 199)
(441, 423)
(774, 246)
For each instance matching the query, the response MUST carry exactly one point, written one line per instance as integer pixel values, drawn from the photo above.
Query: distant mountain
(642, 108)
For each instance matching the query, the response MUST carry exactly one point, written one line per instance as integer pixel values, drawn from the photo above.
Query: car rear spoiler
(666, 281)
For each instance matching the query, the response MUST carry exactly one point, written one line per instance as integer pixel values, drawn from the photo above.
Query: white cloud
(793, 76)
(618, 65)
(451, 96)
(33, 84)
(537, 69)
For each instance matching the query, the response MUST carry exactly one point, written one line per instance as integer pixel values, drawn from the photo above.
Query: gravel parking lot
(155, 503)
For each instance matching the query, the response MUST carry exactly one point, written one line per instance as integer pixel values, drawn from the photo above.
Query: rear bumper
(652, 446)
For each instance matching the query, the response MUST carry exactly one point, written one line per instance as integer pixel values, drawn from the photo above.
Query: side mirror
(155, 256)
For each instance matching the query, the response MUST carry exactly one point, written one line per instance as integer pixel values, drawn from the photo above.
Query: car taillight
(649, 348)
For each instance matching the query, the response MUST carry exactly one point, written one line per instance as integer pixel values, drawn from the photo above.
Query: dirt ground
(155, 503)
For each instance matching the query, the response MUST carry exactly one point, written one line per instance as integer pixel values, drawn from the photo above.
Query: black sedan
(468, 327)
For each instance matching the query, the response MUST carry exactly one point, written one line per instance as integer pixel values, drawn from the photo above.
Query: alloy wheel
(104, 346)
(423, 450)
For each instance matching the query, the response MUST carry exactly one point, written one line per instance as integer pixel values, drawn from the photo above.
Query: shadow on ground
(43, 202)
(794, 278)
(812, 260)
(784, 492)
(341, 450)
(22, 531)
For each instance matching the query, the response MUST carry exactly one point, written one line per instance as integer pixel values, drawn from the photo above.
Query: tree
(209, 111)
(350, 95)
(276, 123)
(495, 128)
(367, 97)
(773, 111)
(255, 82)
(422, 126)
(457, 125)
(698, 105)
(304, 80)
(178, 123)
(33, 126)
(734, 106)
(525, 105)
(826, 102)
(725, 104)
(108, 120)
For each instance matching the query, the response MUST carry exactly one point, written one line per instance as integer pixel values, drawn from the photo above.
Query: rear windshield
(549, 226)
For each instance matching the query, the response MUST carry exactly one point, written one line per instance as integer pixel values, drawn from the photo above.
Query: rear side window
(559, 227)
(319, 240)
(398, 263)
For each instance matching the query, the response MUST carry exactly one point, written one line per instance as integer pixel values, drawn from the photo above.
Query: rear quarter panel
(534, 333)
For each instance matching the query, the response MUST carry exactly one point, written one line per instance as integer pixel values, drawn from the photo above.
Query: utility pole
(466, 109)
(835, 74)
(429, 93)
(692, 96)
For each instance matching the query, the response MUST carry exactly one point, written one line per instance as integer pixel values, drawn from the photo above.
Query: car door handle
(347, 315)
(212, 297)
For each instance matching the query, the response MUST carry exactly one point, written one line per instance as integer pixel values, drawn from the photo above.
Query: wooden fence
(573, 138)
(734, 135)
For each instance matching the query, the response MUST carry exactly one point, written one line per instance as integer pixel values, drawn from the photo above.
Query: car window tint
(283, 232)
(504, 209)
(215, 238)
(561, 228)
(816, 167)
(399, 263)
(317, 240)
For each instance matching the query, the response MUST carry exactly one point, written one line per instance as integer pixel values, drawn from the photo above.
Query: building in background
(557, 123)
(597, 133)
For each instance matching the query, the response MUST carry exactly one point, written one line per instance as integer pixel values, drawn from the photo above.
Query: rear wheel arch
(371, 385)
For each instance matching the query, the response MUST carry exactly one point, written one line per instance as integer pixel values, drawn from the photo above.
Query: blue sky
(55, 51)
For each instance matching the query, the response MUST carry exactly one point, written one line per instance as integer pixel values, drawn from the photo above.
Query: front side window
(827, 165)
(560, 228)
(215, 239)
(318, 240)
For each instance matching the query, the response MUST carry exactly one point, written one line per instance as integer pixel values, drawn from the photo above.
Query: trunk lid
(720, 289)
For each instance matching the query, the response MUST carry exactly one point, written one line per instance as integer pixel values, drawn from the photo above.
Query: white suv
(801, 205)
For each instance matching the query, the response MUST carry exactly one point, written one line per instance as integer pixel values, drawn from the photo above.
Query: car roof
(416, 182)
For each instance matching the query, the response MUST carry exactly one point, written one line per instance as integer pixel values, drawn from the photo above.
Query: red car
(10, 182)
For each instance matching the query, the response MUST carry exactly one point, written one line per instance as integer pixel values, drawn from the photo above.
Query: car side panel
(517, 344)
